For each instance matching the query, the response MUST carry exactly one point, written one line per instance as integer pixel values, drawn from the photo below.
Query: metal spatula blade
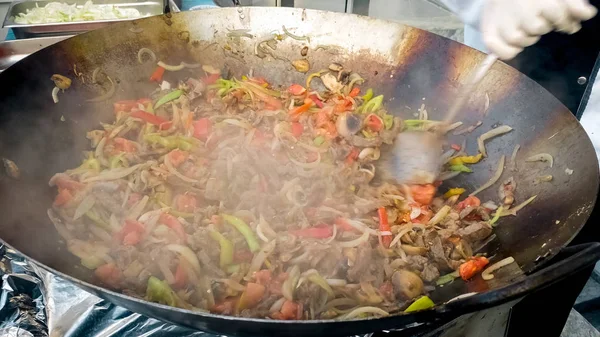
(416, 156)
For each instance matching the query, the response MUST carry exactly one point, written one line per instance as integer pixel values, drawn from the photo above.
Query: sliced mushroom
(12, 170)
(62, 82)
(344, 76)
(348, 124)
(412, 250)
(335, 67)
(304, 51)
(301, 65)
(331, 82)
(407, 285)
(506, 191)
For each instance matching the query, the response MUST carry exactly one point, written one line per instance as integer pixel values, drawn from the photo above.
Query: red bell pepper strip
(157, 75)
(354, 92)
(149, 118)
(296, 89)
(63, 197)
(202, 128)
(289, 310)
(297, 129)
(374, 123)
(181, 277)
(211, 79)
(472, 267)
(297, 111)
(455, 147)
(322, 231)
(124, 145)
(126, 105)
(384, 226)
(317, 101)
(352, 156)
(423, 194)
(131, 233)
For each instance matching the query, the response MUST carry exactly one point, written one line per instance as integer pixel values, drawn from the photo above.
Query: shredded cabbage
(63, 12)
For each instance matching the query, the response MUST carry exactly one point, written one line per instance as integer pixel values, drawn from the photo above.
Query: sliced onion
(178, 67)
(487, 273)
(277, 305)
(415, 212)
(84, 206)
(354, 243)
(260, 257)
(407, 228)
(364, 310)
(494, 178)
(491, 134)
(514, 210)
(236, 122)
(439, 216)
(164, 269)
(311, 165)
(288, 286)
(187, 254)
(361, 227)
(490, 205)
(138, 208)
(101, 233)
(174, 172)
(370, 153)
(544, 157)
(336, 282)
(447, 155)
(114, 174)
(513, 158)
(333, 235)
(460, 297)
(452, 126)
(107, 95)
(486, 104)
(59, 225)
(144, 51)
(55, 94)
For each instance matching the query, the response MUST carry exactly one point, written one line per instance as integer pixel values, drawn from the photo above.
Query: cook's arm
(508, 26)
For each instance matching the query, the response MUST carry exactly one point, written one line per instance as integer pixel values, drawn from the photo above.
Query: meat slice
(475, 231)
(430, 273)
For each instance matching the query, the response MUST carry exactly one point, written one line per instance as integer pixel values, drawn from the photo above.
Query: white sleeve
(468, 10)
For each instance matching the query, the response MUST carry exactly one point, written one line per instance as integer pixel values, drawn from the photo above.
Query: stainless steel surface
(146, 8)
(13, 51)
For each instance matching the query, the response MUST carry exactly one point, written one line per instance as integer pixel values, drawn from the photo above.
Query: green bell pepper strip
(159, 291)
(245, 230)
(460, 168)
(388, 121)
(319, 140)
(226, 255)
(422, 303)
(96, 219)
(447, 278)
(373, 104)
(173, 95)
(496, 216)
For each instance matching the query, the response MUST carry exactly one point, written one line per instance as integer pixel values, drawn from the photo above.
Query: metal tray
(21, 31)
(13, 51)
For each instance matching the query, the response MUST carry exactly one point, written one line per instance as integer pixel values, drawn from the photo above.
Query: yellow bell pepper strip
(447, 278)
(173, 95)
(454, 191)
(171, 142)
(460, 168)
(422, 303)
(245, 230)
(368, 95)
(496, 216)
(226, 254)
(466, 159)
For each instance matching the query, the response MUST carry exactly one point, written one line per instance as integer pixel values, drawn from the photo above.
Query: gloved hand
(508, 26)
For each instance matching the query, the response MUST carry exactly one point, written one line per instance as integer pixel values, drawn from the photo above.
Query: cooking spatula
(416, 155)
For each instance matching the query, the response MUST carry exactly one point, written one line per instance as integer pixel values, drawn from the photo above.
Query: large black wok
(408, 65)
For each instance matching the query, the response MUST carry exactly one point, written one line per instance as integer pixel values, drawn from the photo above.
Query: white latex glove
(508, 26)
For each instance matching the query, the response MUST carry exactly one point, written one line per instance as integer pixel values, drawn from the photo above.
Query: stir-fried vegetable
(241, 197)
